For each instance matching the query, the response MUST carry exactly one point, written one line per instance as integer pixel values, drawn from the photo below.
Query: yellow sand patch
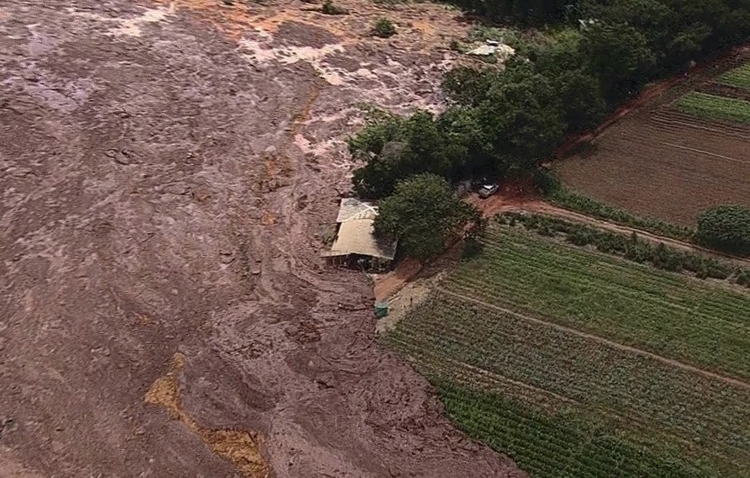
(237, 446)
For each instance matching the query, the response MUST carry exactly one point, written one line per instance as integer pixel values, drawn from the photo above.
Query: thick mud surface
(164, 170)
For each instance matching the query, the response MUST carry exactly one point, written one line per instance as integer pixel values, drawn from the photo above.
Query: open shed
(355, 237)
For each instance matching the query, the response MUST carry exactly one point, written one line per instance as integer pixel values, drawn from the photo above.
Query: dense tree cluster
(589, 57)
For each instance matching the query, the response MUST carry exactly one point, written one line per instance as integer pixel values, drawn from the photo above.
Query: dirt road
(163, 311)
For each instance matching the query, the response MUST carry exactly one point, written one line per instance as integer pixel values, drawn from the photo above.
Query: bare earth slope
(163, 311)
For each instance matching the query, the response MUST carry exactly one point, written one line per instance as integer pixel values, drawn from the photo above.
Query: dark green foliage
(527, 12)
(619, 55)
(329, 8)
(726, 228)
(518, 116)
(551, 445)
(424, 214)
(472, 248)
(583, 107)
(384, 28)
(632, 248)
(396, 149)
(546, 182)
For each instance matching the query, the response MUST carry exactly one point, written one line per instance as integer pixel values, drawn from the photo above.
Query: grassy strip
(670, 314)
(632, 248)
(714, 107)
(739, 77)
(521, 432)
(586, 205)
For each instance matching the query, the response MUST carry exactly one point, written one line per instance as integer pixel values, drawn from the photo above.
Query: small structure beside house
(355, 241)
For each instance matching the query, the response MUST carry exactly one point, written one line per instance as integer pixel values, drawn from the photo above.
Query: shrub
(744, 278)
(546, 182)
(384, 28)
(329, 8)
(726, 228)
(472, 248)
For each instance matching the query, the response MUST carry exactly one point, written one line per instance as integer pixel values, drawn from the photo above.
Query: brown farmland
(660, 163)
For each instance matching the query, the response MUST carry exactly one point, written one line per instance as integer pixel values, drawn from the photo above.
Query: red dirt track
(163, 308)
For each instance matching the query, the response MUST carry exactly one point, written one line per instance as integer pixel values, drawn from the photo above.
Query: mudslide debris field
(164, 171)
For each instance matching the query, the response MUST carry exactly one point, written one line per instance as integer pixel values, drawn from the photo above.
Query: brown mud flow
(164, 170)
(237, 446)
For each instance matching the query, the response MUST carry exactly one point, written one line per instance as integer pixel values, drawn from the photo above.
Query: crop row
(663, 403)
(580, 369)
(632, 248)
(739, 77)
(579, 451)
(714, 107)
(670, 314)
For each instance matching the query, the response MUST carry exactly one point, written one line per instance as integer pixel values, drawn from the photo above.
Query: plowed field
(663, 163)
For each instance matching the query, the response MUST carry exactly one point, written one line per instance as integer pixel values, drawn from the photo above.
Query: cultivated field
(676, 156)
(713, 107)
(739, 77)
(580, 364)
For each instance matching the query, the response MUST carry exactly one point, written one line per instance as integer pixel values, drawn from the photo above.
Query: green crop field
(739, 77)
(669, 314)
(712, 107)
(566, 403)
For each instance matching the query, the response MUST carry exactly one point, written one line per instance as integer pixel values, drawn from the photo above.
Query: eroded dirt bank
(163, 312)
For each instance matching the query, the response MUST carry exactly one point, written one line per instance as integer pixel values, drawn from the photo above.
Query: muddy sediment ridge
(165, 169)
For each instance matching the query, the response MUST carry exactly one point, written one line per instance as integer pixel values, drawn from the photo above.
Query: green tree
(523, 119)
(583, 106)
(726, 228)
(468, 86)
(423, 214)
(620, 56)
(399, 148)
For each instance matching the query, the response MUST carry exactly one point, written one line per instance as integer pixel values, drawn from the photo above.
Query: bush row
(632, 248)
(586, 205)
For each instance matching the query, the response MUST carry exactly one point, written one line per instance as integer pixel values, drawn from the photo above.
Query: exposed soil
(657, 162)
(729, 91)
(163, 309)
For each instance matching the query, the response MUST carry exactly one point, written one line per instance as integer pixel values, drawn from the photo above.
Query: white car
(488, 190)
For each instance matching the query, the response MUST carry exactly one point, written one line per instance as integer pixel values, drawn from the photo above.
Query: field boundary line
(627, 348)
(694, 150)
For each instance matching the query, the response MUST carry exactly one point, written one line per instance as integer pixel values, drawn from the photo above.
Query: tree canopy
(398, 148)
(424, 213)
(590, 56)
